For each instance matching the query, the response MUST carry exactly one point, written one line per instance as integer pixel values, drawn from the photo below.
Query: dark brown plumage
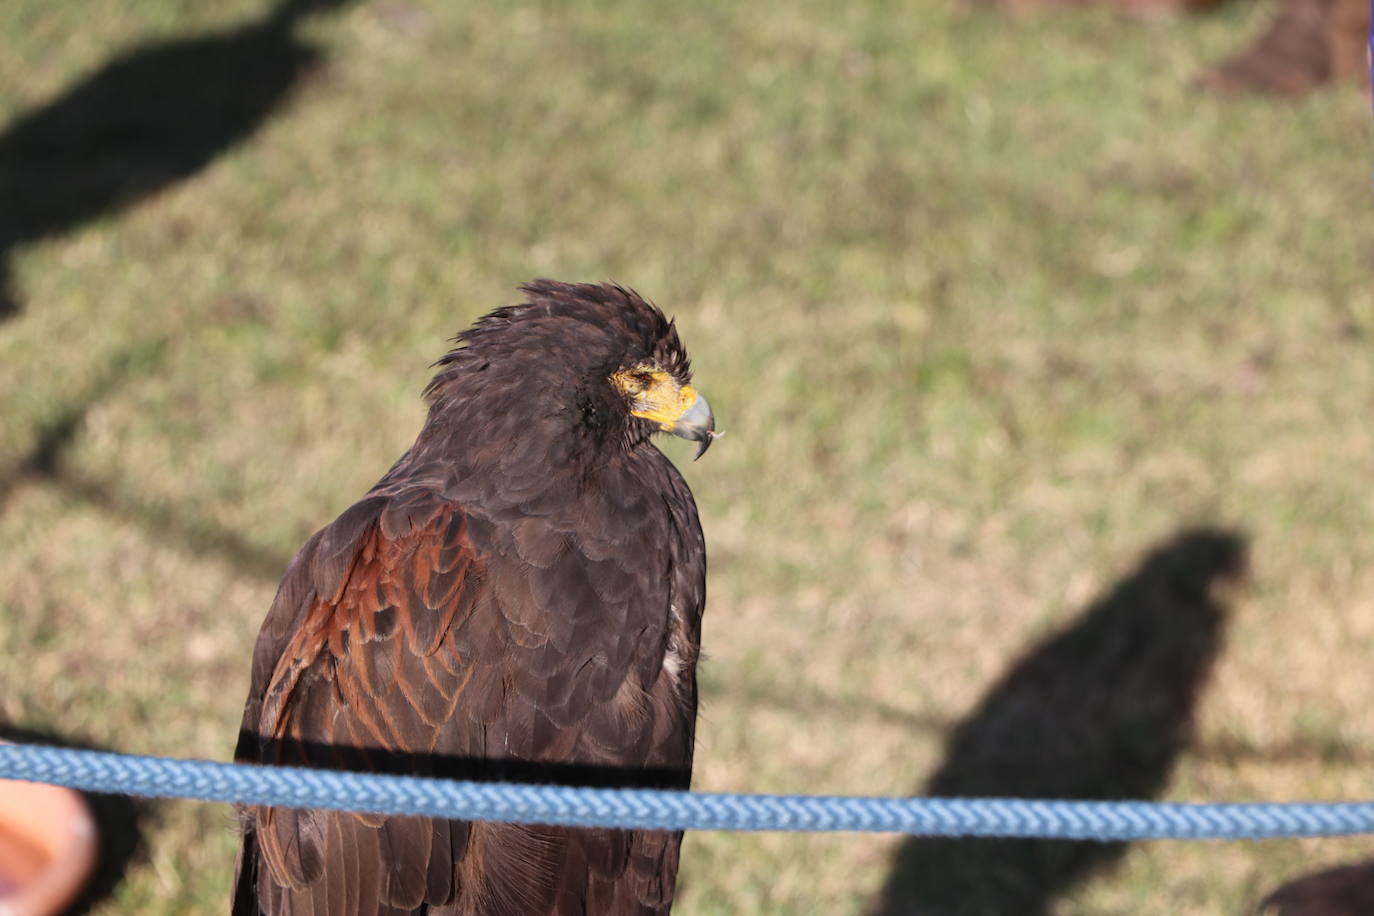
(518, 598)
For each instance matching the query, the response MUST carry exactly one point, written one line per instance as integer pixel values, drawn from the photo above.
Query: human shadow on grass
(120, 822)
(1100, 710)
(1228, 750)
(46, 463)
(151, 117)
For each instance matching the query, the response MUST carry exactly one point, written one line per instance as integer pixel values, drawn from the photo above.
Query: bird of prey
(519, 598)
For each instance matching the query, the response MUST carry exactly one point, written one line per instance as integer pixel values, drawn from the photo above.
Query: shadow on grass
(1100, 710)
(1347, 890)
(119, 819)
(191, 536)
(147, 119)
(46, 463)
(1226, 749)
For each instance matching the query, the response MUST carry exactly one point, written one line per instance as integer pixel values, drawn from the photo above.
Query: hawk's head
(592, 361)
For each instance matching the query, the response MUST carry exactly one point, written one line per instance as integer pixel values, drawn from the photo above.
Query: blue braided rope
(160, 777)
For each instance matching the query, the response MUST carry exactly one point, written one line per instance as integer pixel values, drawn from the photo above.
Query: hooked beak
(698, 424)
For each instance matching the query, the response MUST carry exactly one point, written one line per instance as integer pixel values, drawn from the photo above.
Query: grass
(990, 310)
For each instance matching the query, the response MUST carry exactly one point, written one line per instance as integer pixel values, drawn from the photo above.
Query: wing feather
(413, 636)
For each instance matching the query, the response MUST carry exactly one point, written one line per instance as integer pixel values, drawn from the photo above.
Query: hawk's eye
(638, 380)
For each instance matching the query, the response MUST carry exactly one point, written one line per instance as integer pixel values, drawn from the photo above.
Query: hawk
(519, 598)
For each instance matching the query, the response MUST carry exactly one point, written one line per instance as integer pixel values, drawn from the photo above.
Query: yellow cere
(656, 394)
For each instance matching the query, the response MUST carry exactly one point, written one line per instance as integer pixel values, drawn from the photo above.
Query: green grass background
(988, 307)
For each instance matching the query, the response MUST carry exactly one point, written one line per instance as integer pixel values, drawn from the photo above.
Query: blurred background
(1046, 376)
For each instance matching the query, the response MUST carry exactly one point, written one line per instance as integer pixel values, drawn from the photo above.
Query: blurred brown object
(1309, 44)
(1344, 891)
(1142, 9)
